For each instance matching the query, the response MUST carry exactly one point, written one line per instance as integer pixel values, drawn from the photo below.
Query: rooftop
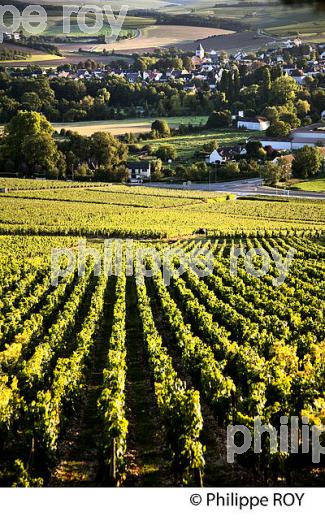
(316, 127)
(254, 119)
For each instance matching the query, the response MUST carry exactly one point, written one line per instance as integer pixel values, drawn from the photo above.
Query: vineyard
(41, 208)
(123, 380)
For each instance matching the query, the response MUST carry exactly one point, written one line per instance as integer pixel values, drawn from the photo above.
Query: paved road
(244, 188)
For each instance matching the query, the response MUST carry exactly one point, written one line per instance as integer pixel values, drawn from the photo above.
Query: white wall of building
(277, 145)
(250, 125)
(297, 146)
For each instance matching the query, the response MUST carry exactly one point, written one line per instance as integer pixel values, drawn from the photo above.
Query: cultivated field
(137, 324)
(310, 31)
(41, 211)
(55, 26)
(243, 40)
(144, 36)
(151, 38)
(47, 60)
(132, 126)
(36, 56)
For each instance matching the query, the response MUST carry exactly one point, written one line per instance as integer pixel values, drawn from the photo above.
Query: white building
(215, 158)
(139, 171)
(253, 123)
(11, 36)
(277, 144)
(200, 53)
(313, 135)
(290, 44)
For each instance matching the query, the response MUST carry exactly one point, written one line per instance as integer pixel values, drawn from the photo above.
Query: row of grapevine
(35, 368)
(111, 403)
(27, 332)
(197, 357)
(240, 362)
(68, 376)
(180, 407)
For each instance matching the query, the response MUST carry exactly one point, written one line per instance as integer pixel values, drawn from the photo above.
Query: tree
(156, 166)
(237, 84)
(210, 146)
(279, 129)
(41, 155)
(318, 99)
(307, 162)
(255, 150)
(160, 128)
(106, 150)
(225, 83)
(285, 164)
(223, 56)
(8, 108)
(22, 128)
(181, 172)
(229, 170)
(187, 63)
(75, 114)
(166, 152)
(147, 149)
(284, 90)
(249, 168)
(271, 173)
(175, 105)
(292, 119)
(250, 97)
(78, 145)
(81, 171)
(266, 84)
(219, 119)
(31, 101)
(271, 113)
(303, 107)
(118, 174)
(320, 4)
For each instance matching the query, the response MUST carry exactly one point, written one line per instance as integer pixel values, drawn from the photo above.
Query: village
(205, 65)
(218, 79)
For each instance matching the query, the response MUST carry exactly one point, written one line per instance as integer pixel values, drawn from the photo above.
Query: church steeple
(199, 53)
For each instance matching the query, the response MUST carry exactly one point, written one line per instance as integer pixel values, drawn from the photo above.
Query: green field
(188, 144)
(315, 185)
(307, 29)
(130, 26)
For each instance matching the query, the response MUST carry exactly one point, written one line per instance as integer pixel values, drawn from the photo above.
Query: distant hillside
(246, 40)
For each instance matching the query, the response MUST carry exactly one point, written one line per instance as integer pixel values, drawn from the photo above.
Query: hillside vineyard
(126, 381)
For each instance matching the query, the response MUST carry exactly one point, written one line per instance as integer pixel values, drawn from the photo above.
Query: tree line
(28, 147)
